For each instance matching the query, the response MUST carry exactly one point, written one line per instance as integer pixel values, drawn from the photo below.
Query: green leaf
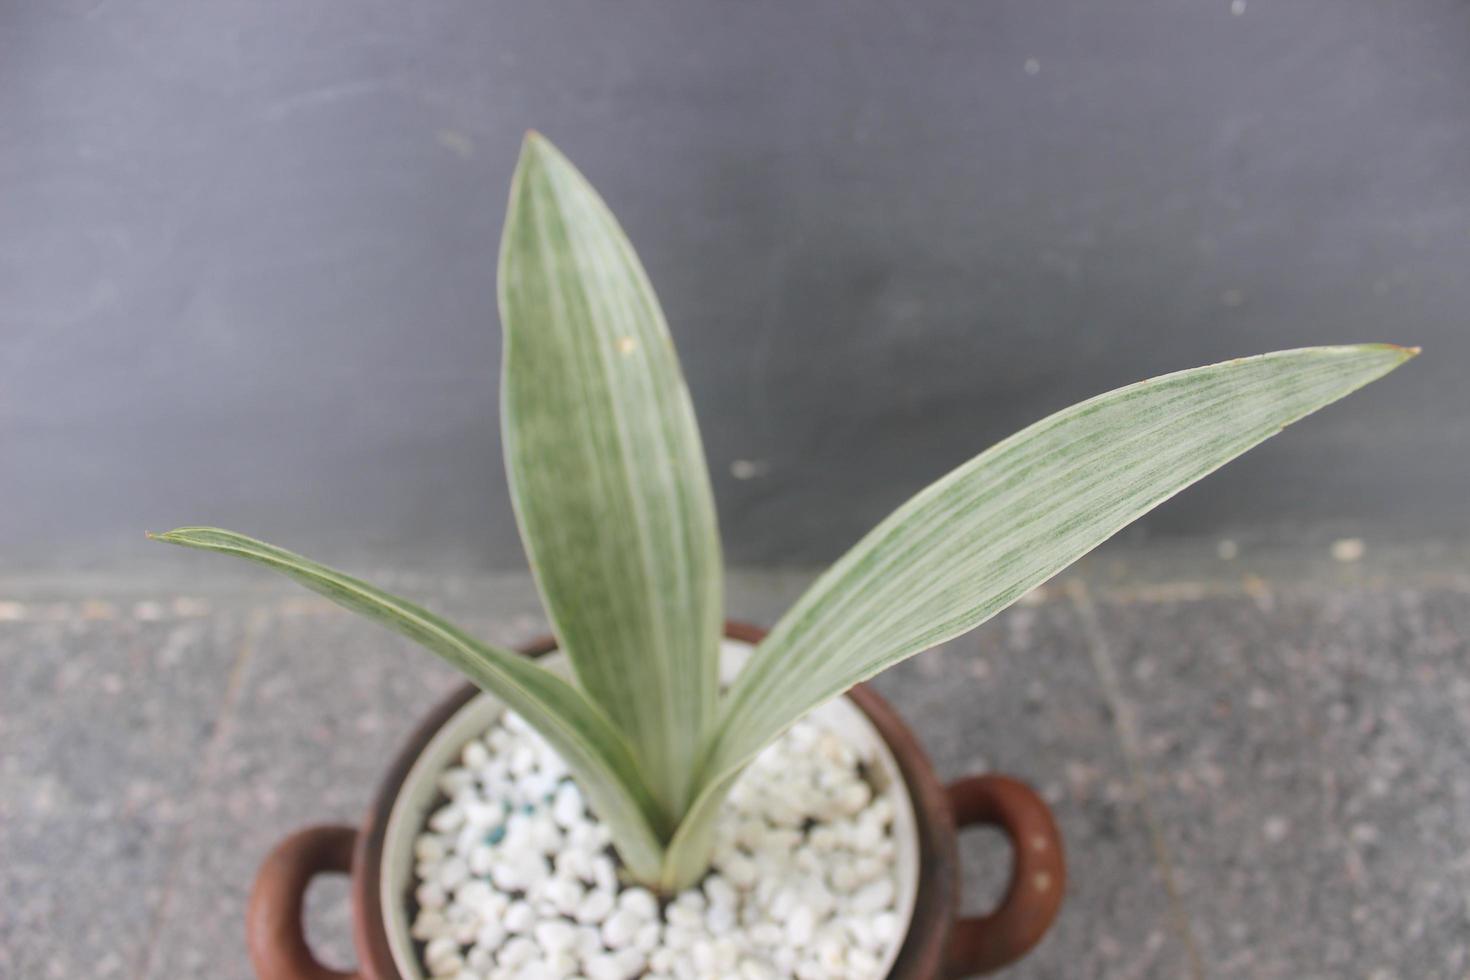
(592, 749)
(606, 470)
(975, 541)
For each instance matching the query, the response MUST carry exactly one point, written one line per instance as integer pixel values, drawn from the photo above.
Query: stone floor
(1261, 765)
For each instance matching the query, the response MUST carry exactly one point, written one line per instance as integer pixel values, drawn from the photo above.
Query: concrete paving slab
(1020, 696)
(1305, 754)
(102, 716)
(324, 701)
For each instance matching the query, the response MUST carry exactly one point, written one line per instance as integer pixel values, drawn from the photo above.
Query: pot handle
(986, 943)
(273, 928)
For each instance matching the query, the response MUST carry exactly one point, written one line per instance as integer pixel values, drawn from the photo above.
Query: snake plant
(612, 496)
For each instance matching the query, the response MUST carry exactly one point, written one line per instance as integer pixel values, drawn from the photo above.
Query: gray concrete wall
(246, 249)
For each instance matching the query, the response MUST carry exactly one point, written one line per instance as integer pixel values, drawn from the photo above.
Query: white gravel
(515, 879)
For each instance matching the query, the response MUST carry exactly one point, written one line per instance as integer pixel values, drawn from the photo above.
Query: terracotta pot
(938, 943)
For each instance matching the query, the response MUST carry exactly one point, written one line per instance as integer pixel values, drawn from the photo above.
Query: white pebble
(546, 837)
(439, 949)
(606, 966)
(534, 871)
(491, 936)
(556, 936)
(567, 808)
(719, 892)
(604, 874)
(755, 970)
(648, 937)
(861, 963)
(866, 836)
(574, 862)
(640, 901)
(518, 951)
(452, 872)
(456, 783)
(589, 941)
(678, 937)
(597, 906)
(799, 927)
(429, 924)
(477, 895)
(740, 870)
(767, 934)
(564, 895)
(431, 895)
(446, 819)
(620, 928)
(463, 924)
(475, 755)
(854, 797)
(720, 920)
(832, 955)
(480, 960)
(878, 895)
(684, 916)
(482, 859)
(522, 760)
(884, 928)
(428, 847)
(519, 917)
(481, 815)
(632, 961)
(448, 966)
(506, 876)
(690, 899)
(751, 835)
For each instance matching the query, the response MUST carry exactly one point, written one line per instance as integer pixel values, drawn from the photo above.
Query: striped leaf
(975, 541)
(593, 750)
(607, 472)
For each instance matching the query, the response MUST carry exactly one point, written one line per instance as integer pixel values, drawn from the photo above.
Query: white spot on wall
(456, 142)
(749, 469)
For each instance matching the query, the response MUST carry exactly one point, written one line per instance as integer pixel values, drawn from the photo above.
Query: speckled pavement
(1261, 765)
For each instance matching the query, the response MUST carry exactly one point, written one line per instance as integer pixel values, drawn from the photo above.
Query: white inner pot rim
(420, 790)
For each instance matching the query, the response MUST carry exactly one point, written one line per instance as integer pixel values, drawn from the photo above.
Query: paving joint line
(1125, 727)
(203, 774)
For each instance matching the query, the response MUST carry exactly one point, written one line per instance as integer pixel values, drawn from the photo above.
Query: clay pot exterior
(940, 944)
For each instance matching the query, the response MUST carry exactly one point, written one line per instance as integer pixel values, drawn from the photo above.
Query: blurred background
(247, 254)
(247, 251)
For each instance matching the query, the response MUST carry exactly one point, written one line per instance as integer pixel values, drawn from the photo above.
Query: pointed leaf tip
(535, 147)
(1404, 352)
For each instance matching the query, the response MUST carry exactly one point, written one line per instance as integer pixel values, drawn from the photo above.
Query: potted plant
(669, 796)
